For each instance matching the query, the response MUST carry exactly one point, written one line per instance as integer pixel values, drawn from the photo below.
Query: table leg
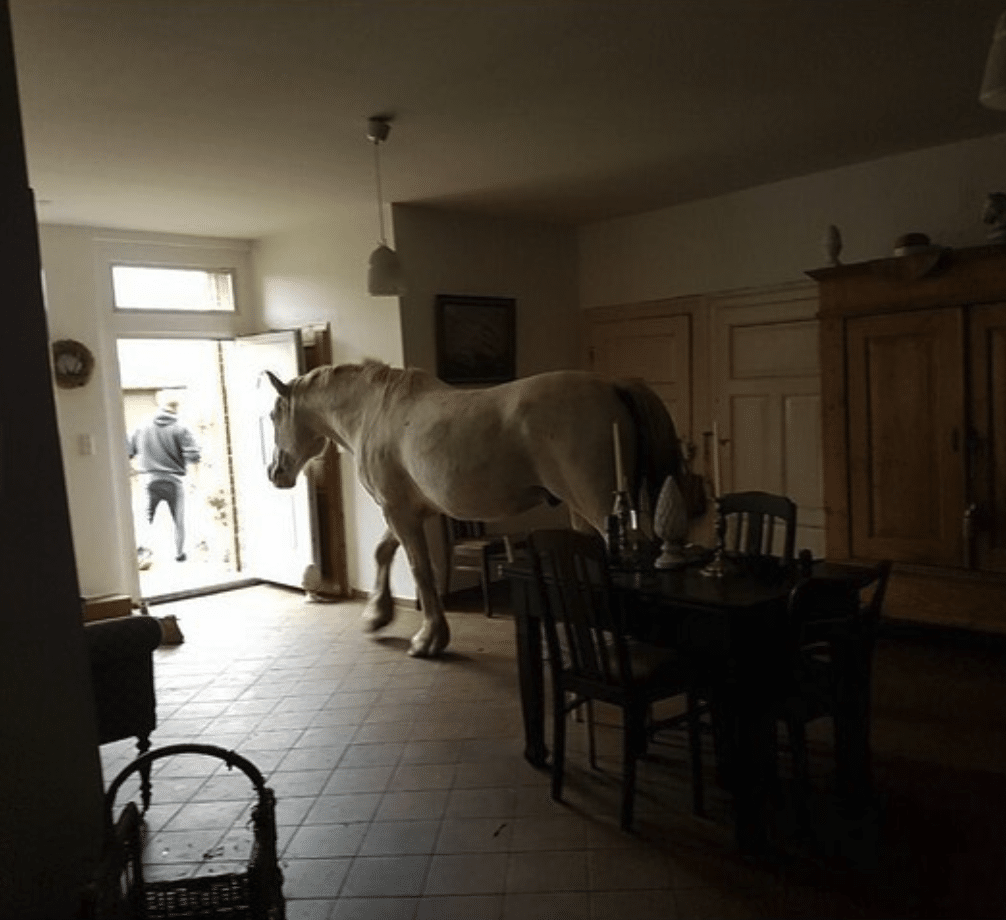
(747, 748)
(530, 672)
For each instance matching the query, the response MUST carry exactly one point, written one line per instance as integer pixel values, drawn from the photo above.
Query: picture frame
(476, 339)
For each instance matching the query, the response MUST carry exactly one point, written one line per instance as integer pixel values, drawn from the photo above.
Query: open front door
(276, 527)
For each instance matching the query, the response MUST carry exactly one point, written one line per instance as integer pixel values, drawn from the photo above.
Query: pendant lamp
(385, 277)
(993, 91)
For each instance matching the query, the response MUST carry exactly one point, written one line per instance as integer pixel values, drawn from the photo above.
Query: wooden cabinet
(913, 377)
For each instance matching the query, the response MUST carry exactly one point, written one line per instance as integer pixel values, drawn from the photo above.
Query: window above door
(172, 289)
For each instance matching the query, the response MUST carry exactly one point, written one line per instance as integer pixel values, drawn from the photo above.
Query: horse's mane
(393, 381)
(397, 381)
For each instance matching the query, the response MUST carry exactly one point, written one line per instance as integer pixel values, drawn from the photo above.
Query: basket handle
(231, 758)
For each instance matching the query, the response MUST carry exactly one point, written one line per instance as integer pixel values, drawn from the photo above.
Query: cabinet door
(988, 444)
(906, 406)
(657, 349)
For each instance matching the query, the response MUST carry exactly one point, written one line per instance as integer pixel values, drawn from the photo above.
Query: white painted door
(767, 389)
(276, 527)
(655, 348)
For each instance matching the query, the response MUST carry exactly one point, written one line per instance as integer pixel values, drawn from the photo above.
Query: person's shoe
(181, 557)
(144, 558)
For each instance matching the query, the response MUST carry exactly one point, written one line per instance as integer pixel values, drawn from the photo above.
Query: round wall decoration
(72, 363)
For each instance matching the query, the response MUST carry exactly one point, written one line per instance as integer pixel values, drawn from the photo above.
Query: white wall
(75, 263)
(772, 234)
(450, 253)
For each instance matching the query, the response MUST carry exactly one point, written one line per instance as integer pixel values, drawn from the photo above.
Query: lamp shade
(993, 91)
(385, 277)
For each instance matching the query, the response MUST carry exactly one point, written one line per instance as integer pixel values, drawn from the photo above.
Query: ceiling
(248, 117)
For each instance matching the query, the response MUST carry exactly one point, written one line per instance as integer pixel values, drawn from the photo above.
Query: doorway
(188, 373)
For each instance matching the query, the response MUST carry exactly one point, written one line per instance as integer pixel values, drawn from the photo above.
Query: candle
(619, 475)
(716, 460)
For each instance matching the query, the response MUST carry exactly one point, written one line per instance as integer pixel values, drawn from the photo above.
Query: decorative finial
(832, 245)
(995, 216)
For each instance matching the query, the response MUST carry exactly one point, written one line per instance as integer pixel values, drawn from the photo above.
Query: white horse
(423, 447)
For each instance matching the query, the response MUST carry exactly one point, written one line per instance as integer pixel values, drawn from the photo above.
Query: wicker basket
(122, 893)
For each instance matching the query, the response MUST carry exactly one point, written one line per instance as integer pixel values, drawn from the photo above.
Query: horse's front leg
(434, 635)
(380, 609)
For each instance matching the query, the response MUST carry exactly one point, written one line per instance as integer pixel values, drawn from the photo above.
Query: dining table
(732, 631)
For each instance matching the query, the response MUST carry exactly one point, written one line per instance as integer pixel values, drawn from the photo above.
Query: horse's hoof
(419, 650)
(375, 619)
(437, 647)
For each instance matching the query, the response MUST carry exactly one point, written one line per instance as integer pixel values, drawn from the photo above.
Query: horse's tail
(657, 449)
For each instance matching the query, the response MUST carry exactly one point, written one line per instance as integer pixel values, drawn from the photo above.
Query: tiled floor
(402, 791)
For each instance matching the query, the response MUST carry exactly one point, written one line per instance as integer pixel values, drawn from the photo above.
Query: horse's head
(295, 442)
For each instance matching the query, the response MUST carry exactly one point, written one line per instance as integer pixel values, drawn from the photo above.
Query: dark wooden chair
(122, 677)
(753, 521)
(470, 549)
(592, 658)
(833, 640)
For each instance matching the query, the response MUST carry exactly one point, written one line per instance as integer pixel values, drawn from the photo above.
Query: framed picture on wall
(476, 339)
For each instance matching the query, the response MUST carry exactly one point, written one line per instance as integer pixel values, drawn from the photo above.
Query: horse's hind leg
(434, 635)
(380, 609)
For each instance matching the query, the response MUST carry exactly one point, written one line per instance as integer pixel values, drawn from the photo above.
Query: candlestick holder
(619, 527)
(719, 566)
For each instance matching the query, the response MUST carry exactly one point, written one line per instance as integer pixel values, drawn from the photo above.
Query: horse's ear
(282, 388)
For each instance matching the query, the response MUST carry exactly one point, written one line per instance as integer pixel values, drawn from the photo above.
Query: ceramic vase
(670, 522)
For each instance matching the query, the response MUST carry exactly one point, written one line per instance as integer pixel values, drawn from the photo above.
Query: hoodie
(164, 447)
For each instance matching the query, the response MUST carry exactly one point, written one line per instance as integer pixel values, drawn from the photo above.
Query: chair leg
(633, 742)
(143, 745)
(486, 585)
(591, 740)
(558, 744)
(695, 746)
(447, 575)
(797, 735)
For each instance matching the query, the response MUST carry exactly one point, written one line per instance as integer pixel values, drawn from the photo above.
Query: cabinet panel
(988, 446)
(906, 466)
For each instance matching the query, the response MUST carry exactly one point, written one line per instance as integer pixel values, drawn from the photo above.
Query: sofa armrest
(127, 637)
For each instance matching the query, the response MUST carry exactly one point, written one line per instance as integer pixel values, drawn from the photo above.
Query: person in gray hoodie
(164, 448)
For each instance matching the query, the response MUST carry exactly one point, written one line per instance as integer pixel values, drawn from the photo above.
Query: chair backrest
(752, 519)
(459, 531)
(583, 628)
(821, 615)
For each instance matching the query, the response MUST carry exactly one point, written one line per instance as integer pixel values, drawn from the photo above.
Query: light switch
(85, 445)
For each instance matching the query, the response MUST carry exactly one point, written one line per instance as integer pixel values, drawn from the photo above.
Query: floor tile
(405, 806)
(461, 907)
(332, 809)
(547, 906)
(375, 909)
(386, 876)
(373, 754)
(474, 835)
(303, 909)
(389, 838)
(467, 874)
(547, 871)
(312, 841)
(634, 905)
(629, 868)
(497, 802)
(199, 815)
(313, 878)
(358, 779)
(312, 758)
